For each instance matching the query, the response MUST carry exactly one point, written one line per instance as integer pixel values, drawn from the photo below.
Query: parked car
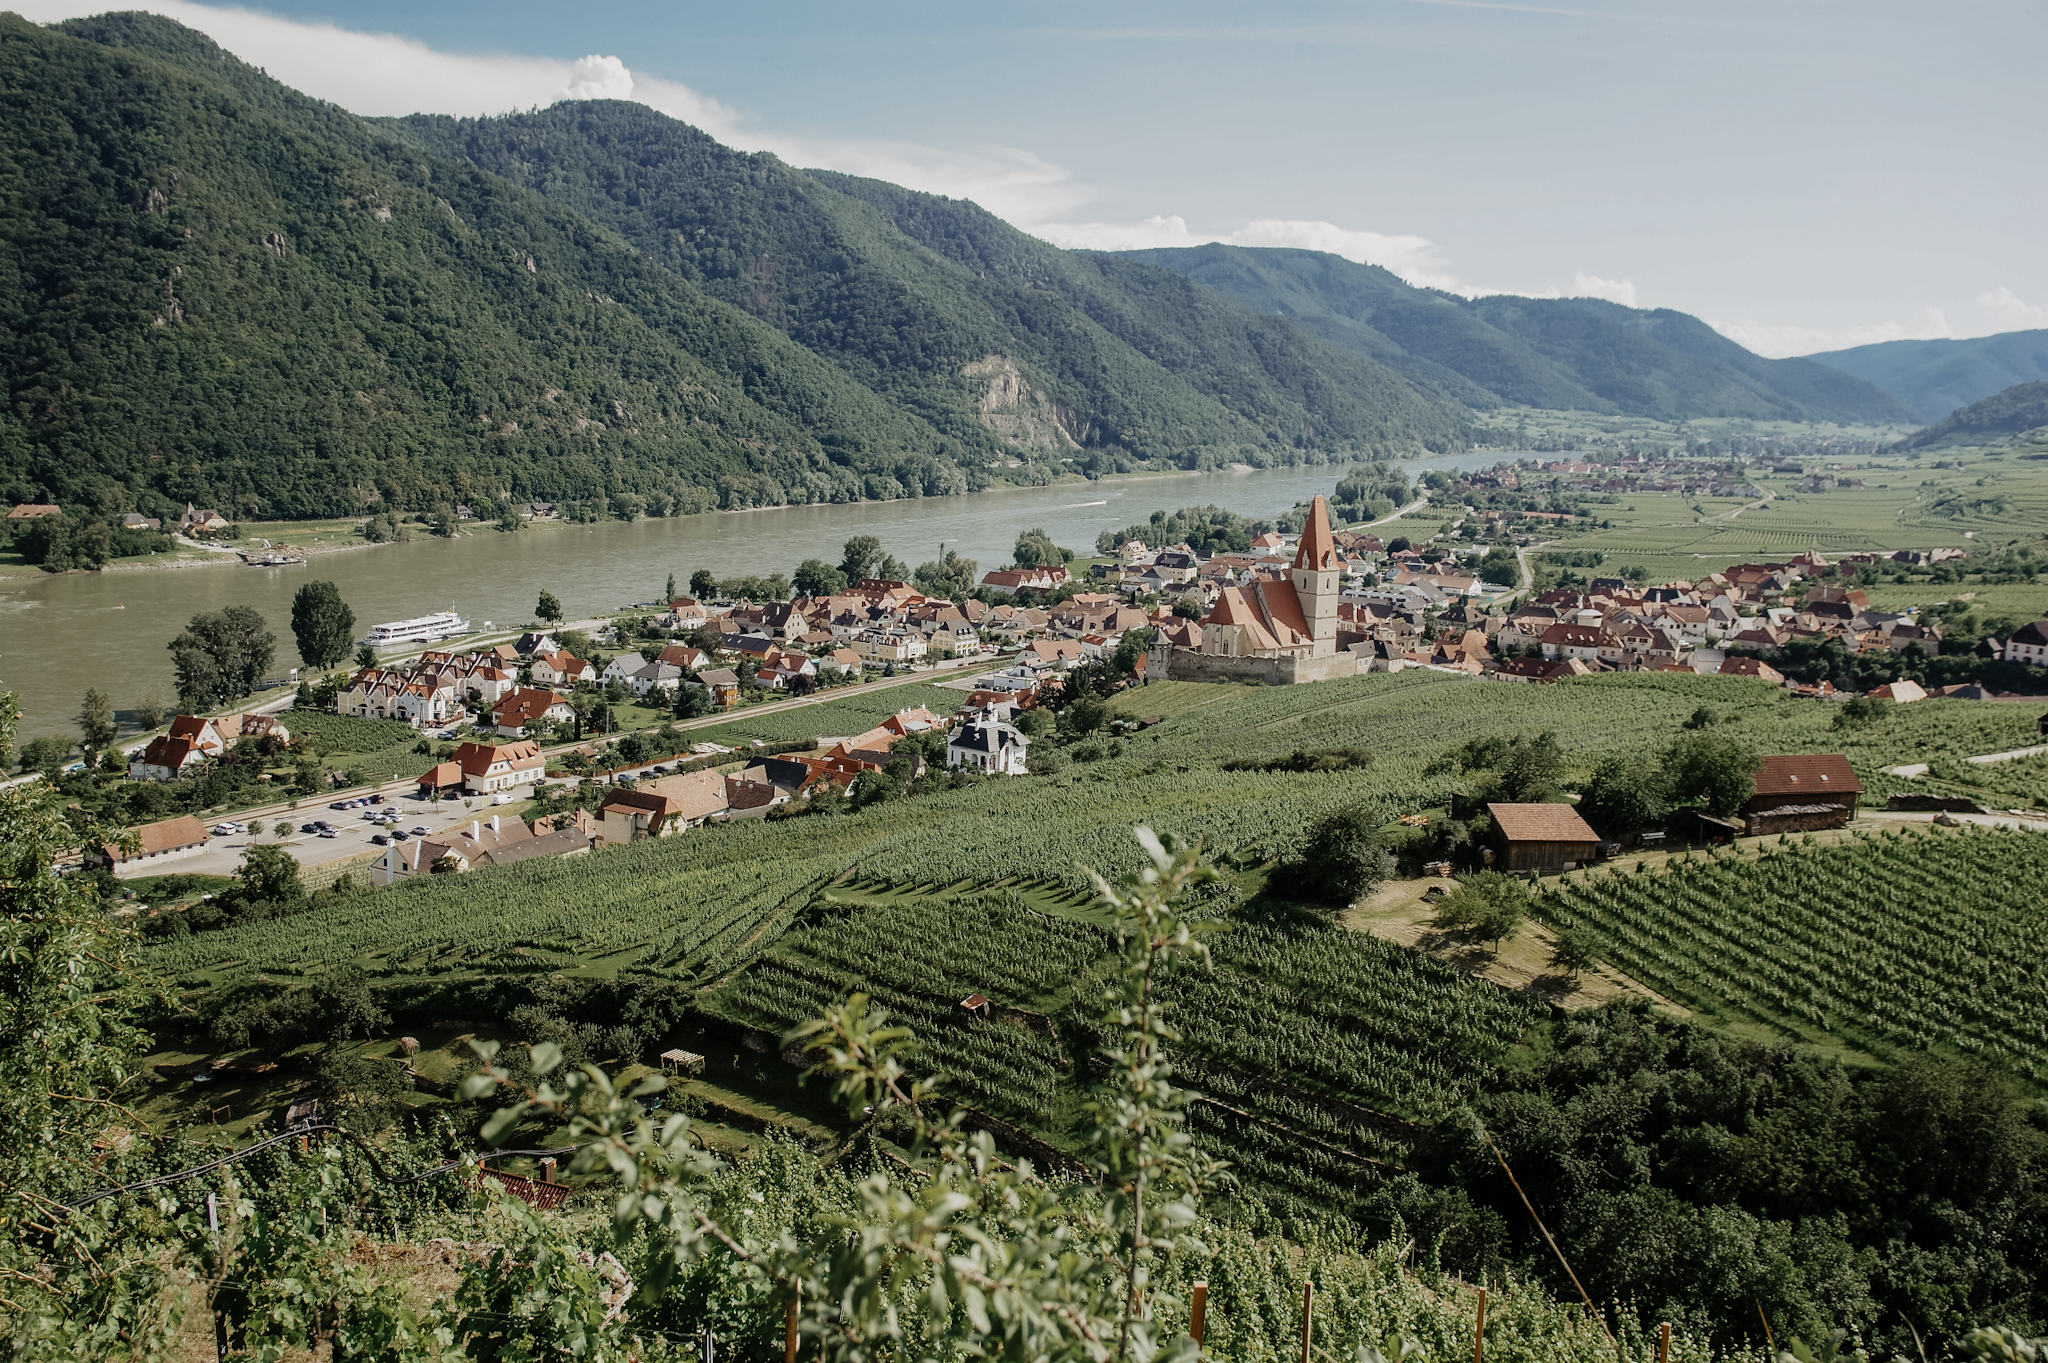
(222, 830)
(339, 804)
(309, 828)
(380, 839)
(329, 833)
(399, 835)
(419, 830)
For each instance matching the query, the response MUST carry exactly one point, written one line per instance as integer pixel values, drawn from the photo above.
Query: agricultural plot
(1371, 1039)
(1891, 943)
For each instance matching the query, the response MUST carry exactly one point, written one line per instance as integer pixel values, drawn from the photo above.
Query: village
(535, 721)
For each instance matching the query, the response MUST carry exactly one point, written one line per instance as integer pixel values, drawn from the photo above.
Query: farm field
(1905, 504)
(1318, 1047)
(1891, 943)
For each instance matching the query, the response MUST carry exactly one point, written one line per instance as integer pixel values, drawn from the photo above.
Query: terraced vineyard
(1894, 942)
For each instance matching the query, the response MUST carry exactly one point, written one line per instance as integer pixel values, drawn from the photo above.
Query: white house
(988, 746)
(192, 739)
(561, 668)
(491, 767)
(895, 646)
(652, 677)
(2029, 644)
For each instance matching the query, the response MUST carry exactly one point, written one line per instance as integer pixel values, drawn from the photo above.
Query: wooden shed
(1801, 793)
(1545, 838)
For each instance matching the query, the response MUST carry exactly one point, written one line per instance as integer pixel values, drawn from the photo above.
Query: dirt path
(1398, 912)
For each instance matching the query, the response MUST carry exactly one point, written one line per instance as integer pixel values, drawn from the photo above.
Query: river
(62, 633)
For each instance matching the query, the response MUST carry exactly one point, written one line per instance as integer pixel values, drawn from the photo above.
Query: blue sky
(1804, 174)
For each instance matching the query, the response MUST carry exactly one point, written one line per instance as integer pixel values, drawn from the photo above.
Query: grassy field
(1985, 499)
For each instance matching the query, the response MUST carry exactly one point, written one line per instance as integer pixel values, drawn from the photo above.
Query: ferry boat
(423, 630)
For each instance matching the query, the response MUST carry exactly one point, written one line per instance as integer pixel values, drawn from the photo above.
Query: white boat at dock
(424, 629)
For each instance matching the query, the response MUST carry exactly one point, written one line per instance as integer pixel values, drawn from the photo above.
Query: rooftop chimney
(476, 831)
(547, 1169)
(494, 823)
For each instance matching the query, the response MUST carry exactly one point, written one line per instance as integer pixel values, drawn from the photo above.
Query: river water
(62, 633)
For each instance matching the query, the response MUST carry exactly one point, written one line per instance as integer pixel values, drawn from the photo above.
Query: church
(1271, 630)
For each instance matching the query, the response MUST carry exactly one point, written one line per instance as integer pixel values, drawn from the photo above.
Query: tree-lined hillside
(1563, 353)
(2022, 407)
(219, 290)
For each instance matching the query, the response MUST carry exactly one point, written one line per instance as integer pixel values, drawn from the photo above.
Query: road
(225, 854)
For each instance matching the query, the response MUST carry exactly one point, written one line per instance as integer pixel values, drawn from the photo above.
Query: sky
(1803, 174)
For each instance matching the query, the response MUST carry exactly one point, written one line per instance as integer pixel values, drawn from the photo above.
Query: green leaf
(501, 1123)
(546, 1056)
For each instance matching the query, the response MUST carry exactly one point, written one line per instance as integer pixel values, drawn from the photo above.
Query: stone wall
(1184, 664)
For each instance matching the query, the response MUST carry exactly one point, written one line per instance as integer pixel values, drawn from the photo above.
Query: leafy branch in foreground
(950, 1250)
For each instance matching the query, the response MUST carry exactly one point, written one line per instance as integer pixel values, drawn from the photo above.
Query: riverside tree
(96, 724)
(323, 625)
(221, 656)
(547, 610)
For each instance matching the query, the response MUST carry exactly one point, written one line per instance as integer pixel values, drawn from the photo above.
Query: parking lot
(353, 834)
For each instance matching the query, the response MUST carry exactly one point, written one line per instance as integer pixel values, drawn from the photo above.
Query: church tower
(1317, 577)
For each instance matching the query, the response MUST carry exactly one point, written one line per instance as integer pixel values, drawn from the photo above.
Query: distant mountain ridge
(1566, 353)
(2022, 407)
(1936, 377)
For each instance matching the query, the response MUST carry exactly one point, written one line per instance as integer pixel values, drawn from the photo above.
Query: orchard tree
(323, 624)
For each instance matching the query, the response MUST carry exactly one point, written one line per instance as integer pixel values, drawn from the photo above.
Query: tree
(323, 624)
(1084, 716)
(1713, 769)
(268, 875)
(1188, 607)
(148, 711)
(1573, 950)
(858, 556)
(1034, 723)
(221, 656)
(815, 577)
(366, 656)
(703, 586)
(360, 1092)
(61, 543)
(692, 701)
(668, 593)
(951, 576)
(1488, 906)
(1342, 859)
(281, 829)
(1035, 549)
(547, 610)
(1625, 796)
(96, 724)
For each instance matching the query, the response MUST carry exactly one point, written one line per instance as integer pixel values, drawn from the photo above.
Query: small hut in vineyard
(1802, 793)
(1549, 839)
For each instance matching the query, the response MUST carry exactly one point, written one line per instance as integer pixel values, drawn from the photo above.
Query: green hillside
(1561, 353)
(945, 308)
(221, 291)
(265, 307)
(2022, 407)
(1936, 377)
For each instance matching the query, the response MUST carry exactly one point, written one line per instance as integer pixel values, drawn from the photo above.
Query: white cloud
(2005, 306)
(596, 77)
(1622, 291)
(1779, 341)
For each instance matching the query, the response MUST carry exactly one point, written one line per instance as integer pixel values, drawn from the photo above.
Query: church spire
(1318, 550)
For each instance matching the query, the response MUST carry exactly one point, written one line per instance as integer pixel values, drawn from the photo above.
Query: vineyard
(1891, 943)
(1372, 1040)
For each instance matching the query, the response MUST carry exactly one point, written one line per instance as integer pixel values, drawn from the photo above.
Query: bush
(1343, 859)
(1488, 906)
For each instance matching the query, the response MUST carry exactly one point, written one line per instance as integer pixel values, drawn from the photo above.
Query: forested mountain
(263, 306)
(942, 306)
(2022, 407)
(1936, 377)
(1569, 353)
(218, 290)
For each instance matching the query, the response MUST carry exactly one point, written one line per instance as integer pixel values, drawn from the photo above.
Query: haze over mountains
(1936, 377)
(220, 290)
(1582, 354)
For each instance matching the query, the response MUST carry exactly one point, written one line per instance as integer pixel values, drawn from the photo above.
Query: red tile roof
(1808, 774)
(1317, 550)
